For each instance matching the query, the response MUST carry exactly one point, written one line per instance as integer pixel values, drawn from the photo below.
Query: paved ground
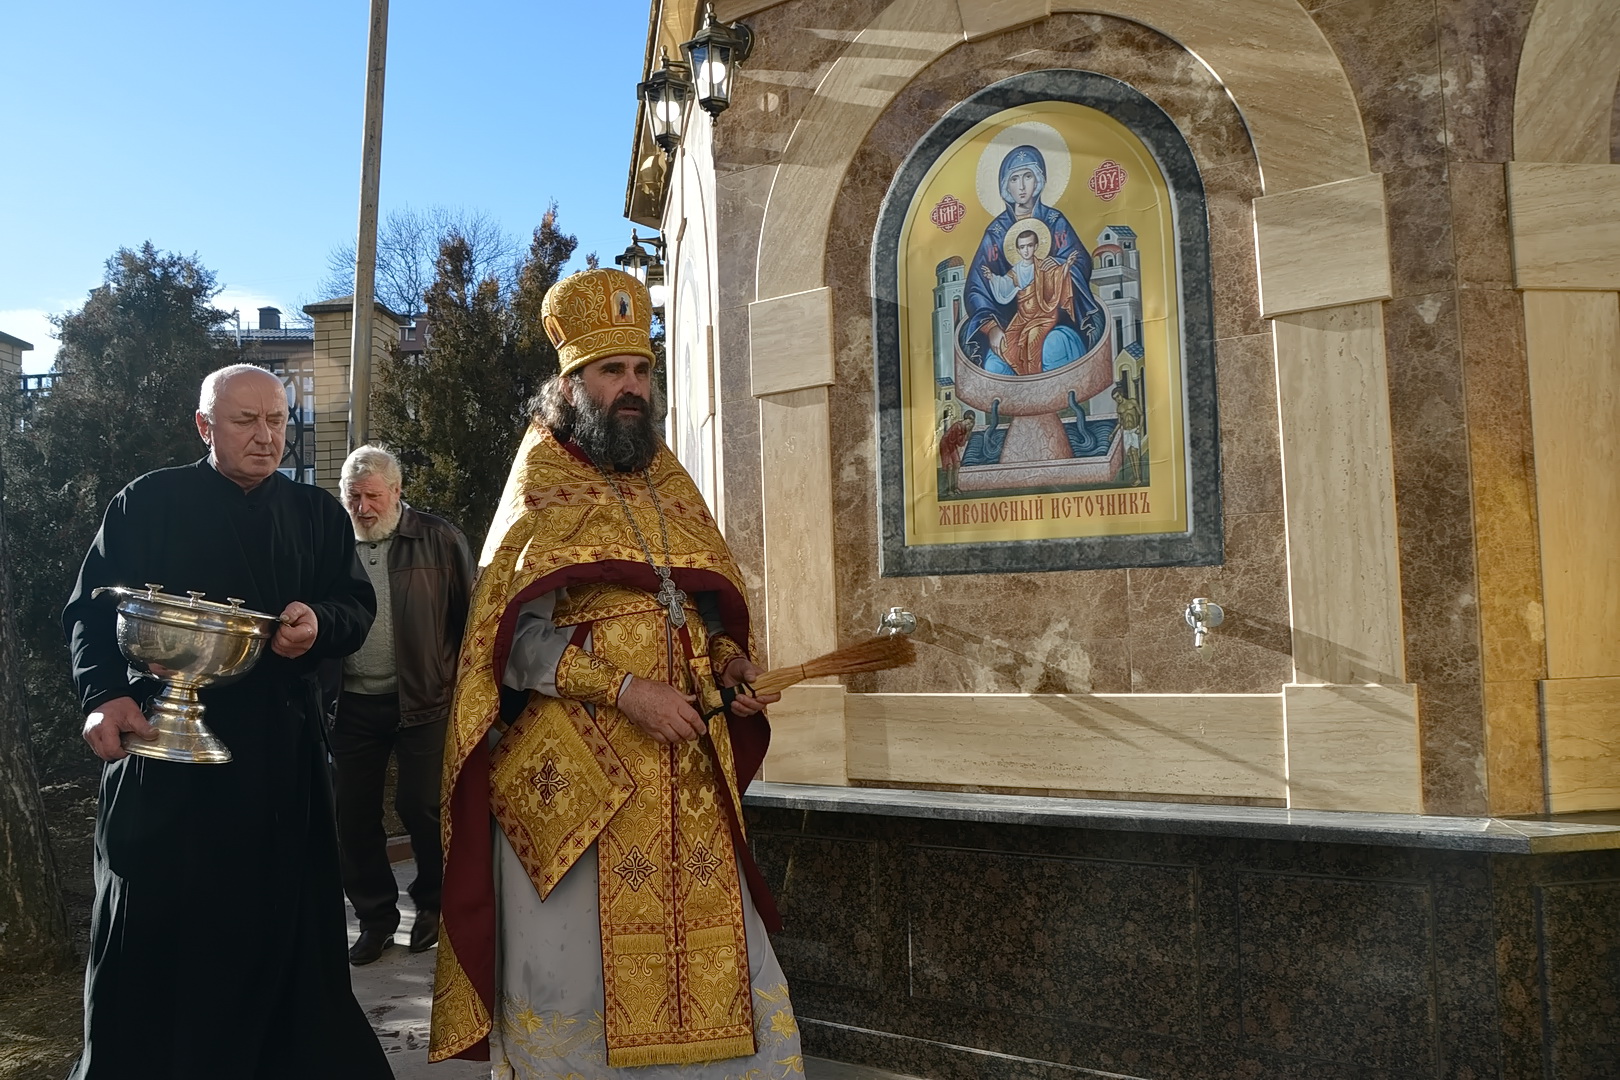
(397, 994)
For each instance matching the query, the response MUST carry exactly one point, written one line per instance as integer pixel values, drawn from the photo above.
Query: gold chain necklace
(669, 596)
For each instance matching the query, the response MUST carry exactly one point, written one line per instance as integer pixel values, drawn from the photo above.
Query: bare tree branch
(408, 242)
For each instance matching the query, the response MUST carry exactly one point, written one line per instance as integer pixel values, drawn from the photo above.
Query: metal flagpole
(365, 248)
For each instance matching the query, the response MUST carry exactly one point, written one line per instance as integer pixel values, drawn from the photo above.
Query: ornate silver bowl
(188, 643)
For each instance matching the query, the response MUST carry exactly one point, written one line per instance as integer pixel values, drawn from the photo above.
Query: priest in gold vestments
(602, 916)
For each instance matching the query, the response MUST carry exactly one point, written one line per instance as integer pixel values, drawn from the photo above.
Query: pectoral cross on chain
(672, 599)
(668, 596)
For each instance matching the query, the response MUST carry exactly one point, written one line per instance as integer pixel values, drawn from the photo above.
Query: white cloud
(33, 325)
(248, 303)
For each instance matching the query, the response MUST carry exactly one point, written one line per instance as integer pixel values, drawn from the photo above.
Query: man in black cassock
(218, 944)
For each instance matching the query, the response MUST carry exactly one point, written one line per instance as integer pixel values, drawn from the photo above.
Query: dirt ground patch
(42, 1015)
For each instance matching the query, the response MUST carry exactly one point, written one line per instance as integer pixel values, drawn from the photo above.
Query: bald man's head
(242, 416)
(216, 380)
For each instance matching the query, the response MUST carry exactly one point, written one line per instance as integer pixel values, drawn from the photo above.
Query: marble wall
(1429, 96)
(792, 53)
(1434, 83)
(984, 951)
(1074, 632)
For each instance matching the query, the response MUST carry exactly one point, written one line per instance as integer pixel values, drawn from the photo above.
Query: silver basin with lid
(189, 643)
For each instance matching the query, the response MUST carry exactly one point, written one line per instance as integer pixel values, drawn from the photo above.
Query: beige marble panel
(333, 343)
(728, 11)
(1513, 761)
(900, 42)
(1213, 745)
(807, 737)
(1583, 744)
(1279, 68)
(981, 18)
(1567, 76)
(790, 342)
(1353, 748)
(1572, 344)
(1338, 478)
(1281, 71)
(800, 603)
(1296, 230)
(1565, 221)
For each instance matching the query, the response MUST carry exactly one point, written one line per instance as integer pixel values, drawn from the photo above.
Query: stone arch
(1562, 194)
(1563, 103)
(1305, 127)
(1284, 76)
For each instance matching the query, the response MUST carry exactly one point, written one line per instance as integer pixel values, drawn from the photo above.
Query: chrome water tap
(1203, 615)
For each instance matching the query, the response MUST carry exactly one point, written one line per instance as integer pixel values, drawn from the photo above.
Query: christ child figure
(1043, 289)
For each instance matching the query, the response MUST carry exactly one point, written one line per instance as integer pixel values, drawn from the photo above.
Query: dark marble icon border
(1201, 545)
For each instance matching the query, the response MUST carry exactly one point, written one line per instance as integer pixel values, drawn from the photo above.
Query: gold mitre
(598, 313)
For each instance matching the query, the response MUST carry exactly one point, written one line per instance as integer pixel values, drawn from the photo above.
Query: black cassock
(218, 945)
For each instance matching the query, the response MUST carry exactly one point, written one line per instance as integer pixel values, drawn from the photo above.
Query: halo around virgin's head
(1043, 137)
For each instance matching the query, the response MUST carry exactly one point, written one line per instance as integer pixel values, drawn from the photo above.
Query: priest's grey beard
(620, 443)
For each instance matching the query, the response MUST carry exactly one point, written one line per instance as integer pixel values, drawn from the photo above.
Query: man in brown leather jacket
(396, 699)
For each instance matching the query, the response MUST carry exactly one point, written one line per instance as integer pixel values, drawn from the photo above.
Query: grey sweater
(371, 670)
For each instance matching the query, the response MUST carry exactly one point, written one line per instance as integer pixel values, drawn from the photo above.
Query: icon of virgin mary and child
(1029, 303)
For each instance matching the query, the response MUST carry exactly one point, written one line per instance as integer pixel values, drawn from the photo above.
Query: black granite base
(955, 949)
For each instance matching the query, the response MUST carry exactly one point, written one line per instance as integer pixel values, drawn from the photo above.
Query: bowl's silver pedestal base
(176, 716)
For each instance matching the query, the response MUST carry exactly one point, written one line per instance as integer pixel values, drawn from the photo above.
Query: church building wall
(1390, 618)
(995, 864)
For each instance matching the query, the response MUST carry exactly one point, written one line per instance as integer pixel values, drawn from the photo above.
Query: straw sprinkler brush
(878, 653)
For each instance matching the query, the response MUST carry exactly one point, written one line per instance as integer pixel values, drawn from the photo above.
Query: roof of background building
(346, 303)
(15, 342)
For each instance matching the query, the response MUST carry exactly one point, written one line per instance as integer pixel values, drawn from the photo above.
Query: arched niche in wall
(1044, 343)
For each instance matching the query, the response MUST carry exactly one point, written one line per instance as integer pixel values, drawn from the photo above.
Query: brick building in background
(11, 350)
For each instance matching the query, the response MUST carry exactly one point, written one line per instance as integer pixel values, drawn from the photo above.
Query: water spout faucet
(1203, 615)
(898, 621)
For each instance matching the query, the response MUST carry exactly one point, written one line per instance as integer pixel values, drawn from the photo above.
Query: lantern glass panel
(664, 113)
(697, 58)
(711, 71)
(717, 73)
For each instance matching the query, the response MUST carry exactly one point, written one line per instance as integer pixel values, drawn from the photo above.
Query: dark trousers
(366, 732)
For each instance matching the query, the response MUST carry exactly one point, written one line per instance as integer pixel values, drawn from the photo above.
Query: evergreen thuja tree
(130, 363)
(455, 413)
(33, 923)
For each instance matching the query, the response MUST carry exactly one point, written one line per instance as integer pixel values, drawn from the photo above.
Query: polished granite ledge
(1499, 835)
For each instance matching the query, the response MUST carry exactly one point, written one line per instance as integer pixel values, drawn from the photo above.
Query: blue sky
(232, 130)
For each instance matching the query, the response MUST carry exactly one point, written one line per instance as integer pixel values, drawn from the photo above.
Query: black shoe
(369, 948)
(425, 930)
